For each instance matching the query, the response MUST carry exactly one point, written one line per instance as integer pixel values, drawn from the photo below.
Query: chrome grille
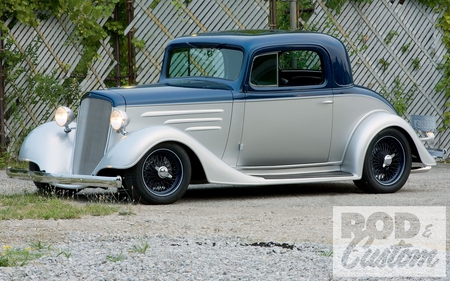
(92, 134)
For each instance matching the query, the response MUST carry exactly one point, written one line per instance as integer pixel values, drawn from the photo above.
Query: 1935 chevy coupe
(237, 107)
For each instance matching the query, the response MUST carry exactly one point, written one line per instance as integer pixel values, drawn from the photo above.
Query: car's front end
(65, 153)
(195, 97)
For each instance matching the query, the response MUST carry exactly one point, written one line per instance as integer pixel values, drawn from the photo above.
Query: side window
(287, 69)
(264, 70)
(300, 68)
(300, 60)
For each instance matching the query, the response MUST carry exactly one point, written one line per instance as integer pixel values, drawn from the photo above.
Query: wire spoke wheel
(387, 160)
(387, 163)
(162, 172)
(162, 176)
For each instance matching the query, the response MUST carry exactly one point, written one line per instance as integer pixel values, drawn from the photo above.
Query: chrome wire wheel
(387, 160)
(162, 172)
(387, 163)
(162, 176)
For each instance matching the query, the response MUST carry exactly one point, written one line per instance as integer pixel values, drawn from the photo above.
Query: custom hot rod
(237, 107)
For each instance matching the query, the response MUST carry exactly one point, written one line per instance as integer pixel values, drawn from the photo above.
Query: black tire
(33, 167)
(162, 176)
(387, 163)
(47, 189)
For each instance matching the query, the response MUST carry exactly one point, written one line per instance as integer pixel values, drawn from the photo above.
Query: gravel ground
(214, 233)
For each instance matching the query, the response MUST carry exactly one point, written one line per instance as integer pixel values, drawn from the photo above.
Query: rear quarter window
(299, 67)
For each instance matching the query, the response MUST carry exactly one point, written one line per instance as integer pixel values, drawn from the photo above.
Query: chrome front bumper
(55, 179)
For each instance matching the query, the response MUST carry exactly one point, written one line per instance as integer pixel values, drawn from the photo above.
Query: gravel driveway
(213, 233)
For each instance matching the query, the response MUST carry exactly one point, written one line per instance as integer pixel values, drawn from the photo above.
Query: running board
(323, 175)
(420, 169)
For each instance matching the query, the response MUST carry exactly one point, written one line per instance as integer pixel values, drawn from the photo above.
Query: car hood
(191, 92)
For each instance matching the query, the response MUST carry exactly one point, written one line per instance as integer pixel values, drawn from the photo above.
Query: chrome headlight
(63, 117)
(119, 120)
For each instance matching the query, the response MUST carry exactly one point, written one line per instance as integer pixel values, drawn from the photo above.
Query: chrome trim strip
(180, 112)
(424, 169)
(427, 139)
(56, 179)
(205, 128)
(326, 165)
(192, 120)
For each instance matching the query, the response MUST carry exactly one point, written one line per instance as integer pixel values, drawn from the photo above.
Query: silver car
(238, 107)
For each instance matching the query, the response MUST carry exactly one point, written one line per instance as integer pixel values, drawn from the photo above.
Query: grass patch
(126, 213)
(18, 256)
(38, 245)
(35, 206)
(8, 159)
(115, 258)
(326, 253)
(65, 253)
(141, 248)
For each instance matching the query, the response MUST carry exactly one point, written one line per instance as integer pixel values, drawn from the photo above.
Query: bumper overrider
(54, 179)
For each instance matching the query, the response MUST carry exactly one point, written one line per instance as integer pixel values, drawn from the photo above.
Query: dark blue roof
(253, 40)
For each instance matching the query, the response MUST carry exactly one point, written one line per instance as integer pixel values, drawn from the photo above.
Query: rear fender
(368, 129)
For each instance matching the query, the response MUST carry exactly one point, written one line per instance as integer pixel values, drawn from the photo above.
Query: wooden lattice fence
(159, 25)
(394, 48)
(50, 49)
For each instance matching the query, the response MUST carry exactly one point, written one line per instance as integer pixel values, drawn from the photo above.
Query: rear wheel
(161, 177)
(387, 163)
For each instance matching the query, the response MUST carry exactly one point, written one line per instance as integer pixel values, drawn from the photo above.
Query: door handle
(327, 102)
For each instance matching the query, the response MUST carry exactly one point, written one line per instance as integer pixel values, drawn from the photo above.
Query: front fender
(49, 147)
(366, 131)
(132, 147)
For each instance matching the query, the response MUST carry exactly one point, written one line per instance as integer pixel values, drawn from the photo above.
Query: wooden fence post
(273, 14)
(130, 16)
(117, 48)
(2, 95)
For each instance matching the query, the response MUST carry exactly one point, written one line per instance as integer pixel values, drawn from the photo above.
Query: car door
(288, 110)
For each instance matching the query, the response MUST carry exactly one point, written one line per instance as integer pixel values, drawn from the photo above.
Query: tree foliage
(83, 13)
(283, 10)
(337, 4)
(48, 89)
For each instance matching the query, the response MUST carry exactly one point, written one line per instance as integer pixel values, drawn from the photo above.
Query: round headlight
(119, 120)
(63, 116)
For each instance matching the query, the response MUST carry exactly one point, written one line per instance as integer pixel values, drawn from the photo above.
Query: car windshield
(195, 61)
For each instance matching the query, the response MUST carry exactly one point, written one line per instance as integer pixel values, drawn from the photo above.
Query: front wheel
(162, 176)
(387, 163)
